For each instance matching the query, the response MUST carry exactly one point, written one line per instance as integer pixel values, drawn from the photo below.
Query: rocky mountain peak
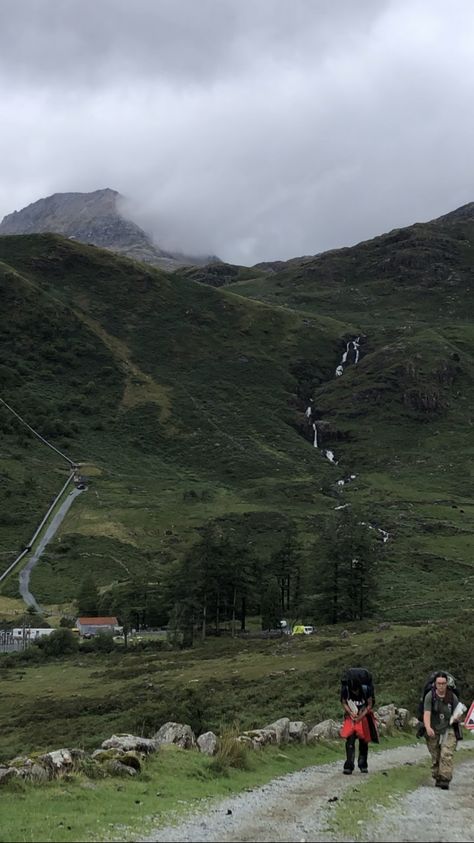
(94, 218)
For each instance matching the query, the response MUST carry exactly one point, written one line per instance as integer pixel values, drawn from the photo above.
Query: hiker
(438, 708)
(357, 697)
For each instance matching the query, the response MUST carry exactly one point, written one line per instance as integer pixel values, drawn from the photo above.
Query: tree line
(221, 581)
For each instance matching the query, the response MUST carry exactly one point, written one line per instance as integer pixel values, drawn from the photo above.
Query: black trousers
(350, 753)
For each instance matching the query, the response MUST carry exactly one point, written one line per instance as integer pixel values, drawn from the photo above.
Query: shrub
(67, 621)
(103, 643)
(230, 753)
(59, 643)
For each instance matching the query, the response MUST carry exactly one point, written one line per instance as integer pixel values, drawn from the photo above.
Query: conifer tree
(88, 597)
(346, 574)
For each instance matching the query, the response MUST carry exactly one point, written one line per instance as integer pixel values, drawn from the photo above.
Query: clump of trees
(222, 580)
(346, 571)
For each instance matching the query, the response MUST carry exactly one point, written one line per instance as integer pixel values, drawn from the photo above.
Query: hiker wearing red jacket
(359, 723)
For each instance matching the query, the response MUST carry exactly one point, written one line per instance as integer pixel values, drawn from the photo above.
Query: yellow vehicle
(300, 629)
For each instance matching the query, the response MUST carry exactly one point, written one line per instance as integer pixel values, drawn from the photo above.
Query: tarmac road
(48, 534)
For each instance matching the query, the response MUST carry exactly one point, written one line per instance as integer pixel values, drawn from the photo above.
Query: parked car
(300, 629)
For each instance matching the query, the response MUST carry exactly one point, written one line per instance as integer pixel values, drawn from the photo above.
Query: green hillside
(401, 420)
(181, 401)
(186, 405)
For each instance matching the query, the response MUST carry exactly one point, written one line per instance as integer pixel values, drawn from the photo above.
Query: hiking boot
(443, 784)
(364, 769)
(347, 772)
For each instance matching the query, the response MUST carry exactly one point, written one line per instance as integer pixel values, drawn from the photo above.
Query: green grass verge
(174, 783)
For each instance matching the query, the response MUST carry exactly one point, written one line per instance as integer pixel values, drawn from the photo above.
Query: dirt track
(296, 808)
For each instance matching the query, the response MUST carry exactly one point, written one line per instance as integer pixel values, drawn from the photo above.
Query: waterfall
(350, 345)
(315, 443)
(355, 346)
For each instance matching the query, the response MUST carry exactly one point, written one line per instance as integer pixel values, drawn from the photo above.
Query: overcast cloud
(252, 130)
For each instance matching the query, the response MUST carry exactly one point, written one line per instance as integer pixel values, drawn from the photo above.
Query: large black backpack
(428, 686)
(357, 676)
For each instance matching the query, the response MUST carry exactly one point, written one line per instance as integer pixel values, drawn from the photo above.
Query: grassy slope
(201, 389)
(178, 397)
(402, 419)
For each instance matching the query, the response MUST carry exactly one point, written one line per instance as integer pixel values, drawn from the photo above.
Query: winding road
(49, 533)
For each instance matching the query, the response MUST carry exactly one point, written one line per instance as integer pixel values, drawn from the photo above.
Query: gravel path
(427, 814)
(296, 808)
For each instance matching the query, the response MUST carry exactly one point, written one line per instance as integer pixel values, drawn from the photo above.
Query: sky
(250, 129)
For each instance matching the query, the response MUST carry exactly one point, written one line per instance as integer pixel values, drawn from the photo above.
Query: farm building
(96, 626)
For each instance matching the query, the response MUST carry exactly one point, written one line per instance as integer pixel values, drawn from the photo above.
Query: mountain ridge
(95, 218)
(204, 394)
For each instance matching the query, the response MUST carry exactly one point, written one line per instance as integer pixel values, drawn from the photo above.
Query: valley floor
(301, 807)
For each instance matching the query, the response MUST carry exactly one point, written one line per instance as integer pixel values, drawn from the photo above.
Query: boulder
(37, 773)
(58, 761)
(7, 774)
(177, 733)
(131, 759)
(401, 718)
(260, 737)
(386, 715)
(327, 730)
(247, 740)
(102, 755)
(298, 731)
(130, 743)
(207, 743)
(282, 729)
(115, 768)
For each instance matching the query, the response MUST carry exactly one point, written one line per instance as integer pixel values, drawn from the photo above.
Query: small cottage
(95, 626)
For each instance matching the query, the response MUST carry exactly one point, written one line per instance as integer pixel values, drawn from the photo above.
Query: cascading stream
(351, 345)
(350, 355)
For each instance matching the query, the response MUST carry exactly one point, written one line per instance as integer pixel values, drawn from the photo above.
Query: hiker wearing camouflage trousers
(439, 704)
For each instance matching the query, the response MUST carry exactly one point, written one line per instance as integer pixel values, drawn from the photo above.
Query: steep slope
(197, 407)
(181, 398)
(95, 218)
(401, 420)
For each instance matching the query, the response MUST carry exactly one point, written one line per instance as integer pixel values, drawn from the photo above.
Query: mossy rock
(115, 768)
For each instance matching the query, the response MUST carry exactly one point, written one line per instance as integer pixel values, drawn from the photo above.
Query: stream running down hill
(350, 356)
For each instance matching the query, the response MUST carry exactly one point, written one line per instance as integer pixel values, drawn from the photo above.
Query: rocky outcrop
(95, 218)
